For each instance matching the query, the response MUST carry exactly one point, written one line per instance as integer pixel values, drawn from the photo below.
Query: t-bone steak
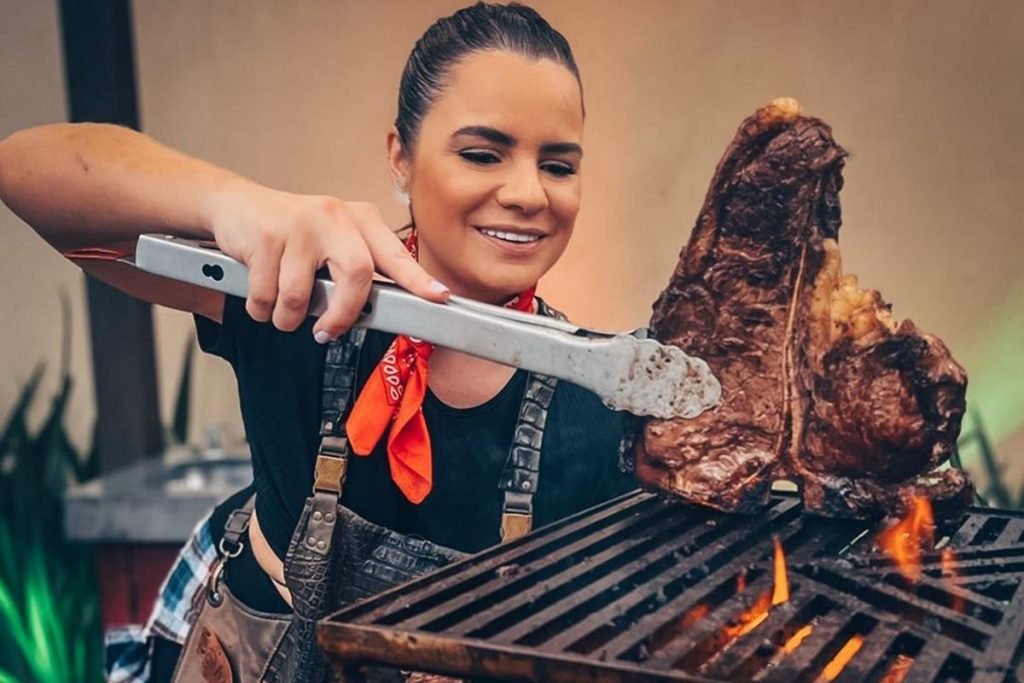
(820, 385)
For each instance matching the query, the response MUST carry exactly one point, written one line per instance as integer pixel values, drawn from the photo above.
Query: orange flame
(780, 593)
(753, 617)
(949, 571)
(699, 611)
(903, 540)
(842, 658)
(750, 619)
(898, 670)
(797, 638)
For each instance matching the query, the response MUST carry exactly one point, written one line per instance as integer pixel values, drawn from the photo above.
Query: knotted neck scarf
(392, 401)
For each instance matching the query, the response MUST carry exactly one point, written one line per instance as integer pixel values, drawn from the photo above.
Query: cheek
(449, 195)
(565, 204)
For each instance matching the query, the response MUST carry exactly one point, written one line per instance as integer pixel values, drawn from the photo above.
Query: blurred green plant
(996, 371)
(49, 613)
(178, 432)
(49, 605)
(996, 492)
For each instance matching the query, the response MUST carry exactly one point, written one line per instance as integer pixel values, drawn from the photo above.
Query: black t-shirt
(280, 376)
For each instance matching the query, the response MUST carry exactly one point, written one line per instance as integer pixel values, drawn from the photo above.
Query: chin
(496, 286)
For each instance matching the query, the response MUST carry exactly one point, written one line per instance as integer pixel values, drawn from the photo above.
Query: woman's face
(494, 179)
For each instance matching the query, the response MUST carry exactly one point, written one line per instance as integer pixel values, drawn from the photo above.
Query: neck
(448, 372)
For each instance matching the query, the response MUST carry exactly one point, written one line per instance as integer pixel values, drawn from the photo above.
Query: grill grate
(640, 589)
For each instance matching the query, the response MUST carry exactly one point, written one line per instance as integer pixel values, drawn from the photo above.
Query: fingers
(350, 238)
(395, 261)
(351, 268)
(263, 278)
(295, 284)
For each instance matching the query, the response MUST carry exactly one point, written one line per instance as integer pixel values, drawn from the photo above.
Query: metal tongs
(627, 370)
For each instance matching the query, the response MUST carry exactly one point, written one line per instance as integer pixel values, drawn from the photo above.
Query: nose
(522, 189)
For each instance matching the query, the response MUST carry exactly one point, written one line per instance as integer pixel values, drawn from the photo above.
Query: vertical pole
(99, 71)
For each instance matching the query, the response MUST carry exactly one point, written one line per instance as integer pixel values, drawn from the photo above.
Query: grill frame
(504, 614)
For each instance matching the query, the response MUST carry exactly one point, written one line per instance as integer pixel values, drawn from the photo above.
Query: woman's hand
(285, 238)
(115, 184)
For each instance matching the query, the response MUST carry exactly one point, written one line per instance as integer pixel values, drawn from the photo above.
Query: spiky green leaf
(179, 425)
(7, 678)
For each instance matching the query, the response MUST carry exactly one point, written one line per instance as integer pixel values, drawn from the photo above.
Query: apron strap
(309, 570)
(521, 477)
(230, 544)
(338, 390)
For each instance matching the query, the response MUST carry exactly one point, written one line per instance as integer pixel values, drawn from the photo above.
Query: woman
(487, 145)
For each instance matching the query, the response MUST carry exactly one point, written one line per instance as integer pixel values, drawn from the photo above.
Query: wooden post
(99, 69)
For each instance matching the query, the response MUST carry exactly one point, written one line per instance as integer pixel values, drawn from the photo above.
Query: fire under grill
(640, 589)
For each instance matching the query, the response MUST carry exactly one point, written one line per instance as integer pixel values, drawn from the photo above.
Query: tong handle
(638, 375)
(203, 264)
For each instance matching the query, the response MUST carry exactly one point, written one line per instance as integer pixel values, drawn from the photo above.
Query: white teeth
(509, 236)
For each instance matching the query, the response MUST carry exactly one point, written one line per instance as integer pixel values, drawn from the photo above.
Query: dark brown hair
(515, 28)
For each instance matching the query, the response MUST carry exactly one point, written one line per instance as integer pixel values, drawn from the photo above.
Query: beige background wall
(926, 95)
(31, 274)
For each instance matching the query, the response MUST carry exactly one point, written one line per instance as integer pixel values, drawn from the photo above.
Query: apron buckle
(515, 524)
(330, 473)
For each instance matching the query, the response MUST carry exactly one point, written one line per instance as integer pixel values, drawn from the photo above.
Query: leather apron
(336, 557)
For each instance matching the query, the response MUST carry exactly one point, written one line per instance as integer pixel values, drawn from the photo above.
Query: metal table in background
(141, 515)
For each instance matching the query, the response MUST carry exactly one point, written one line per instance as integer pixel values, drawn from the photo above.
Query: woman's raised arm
(83, 185)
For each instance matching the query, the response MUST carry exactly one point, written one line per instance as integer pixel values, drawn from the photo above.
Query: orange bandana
(393, 395)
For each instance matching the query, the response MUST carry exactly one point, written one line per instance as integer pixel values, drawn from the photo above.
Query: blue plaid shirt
(128, 649)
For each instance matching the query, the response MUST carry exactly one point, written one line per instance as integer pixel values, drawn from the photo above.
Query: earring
(401, 193)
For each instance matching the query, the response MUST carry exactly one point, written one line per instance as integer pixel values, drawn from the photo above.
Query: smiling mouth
(512, 237)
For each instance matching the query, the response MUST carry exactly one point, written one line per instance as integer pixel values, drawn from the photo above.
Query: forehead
(531, 99)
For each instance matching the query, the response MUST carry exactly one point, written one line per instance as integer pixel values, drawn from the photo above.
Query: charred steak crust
(819, 385)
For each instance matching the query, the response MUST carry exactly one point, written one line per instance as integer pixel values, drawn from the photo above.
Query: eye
(480, 157)
(559, 169)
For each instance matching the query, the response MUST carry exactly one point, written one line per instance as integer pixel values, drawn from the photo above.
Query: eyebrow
(502, 138)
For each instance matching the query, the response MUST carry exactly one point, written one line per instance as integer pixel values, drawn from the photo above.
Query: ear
(399, 163)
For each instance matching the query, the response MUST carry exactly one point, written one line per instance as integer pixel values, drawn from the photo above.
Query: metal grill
(640, 589)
